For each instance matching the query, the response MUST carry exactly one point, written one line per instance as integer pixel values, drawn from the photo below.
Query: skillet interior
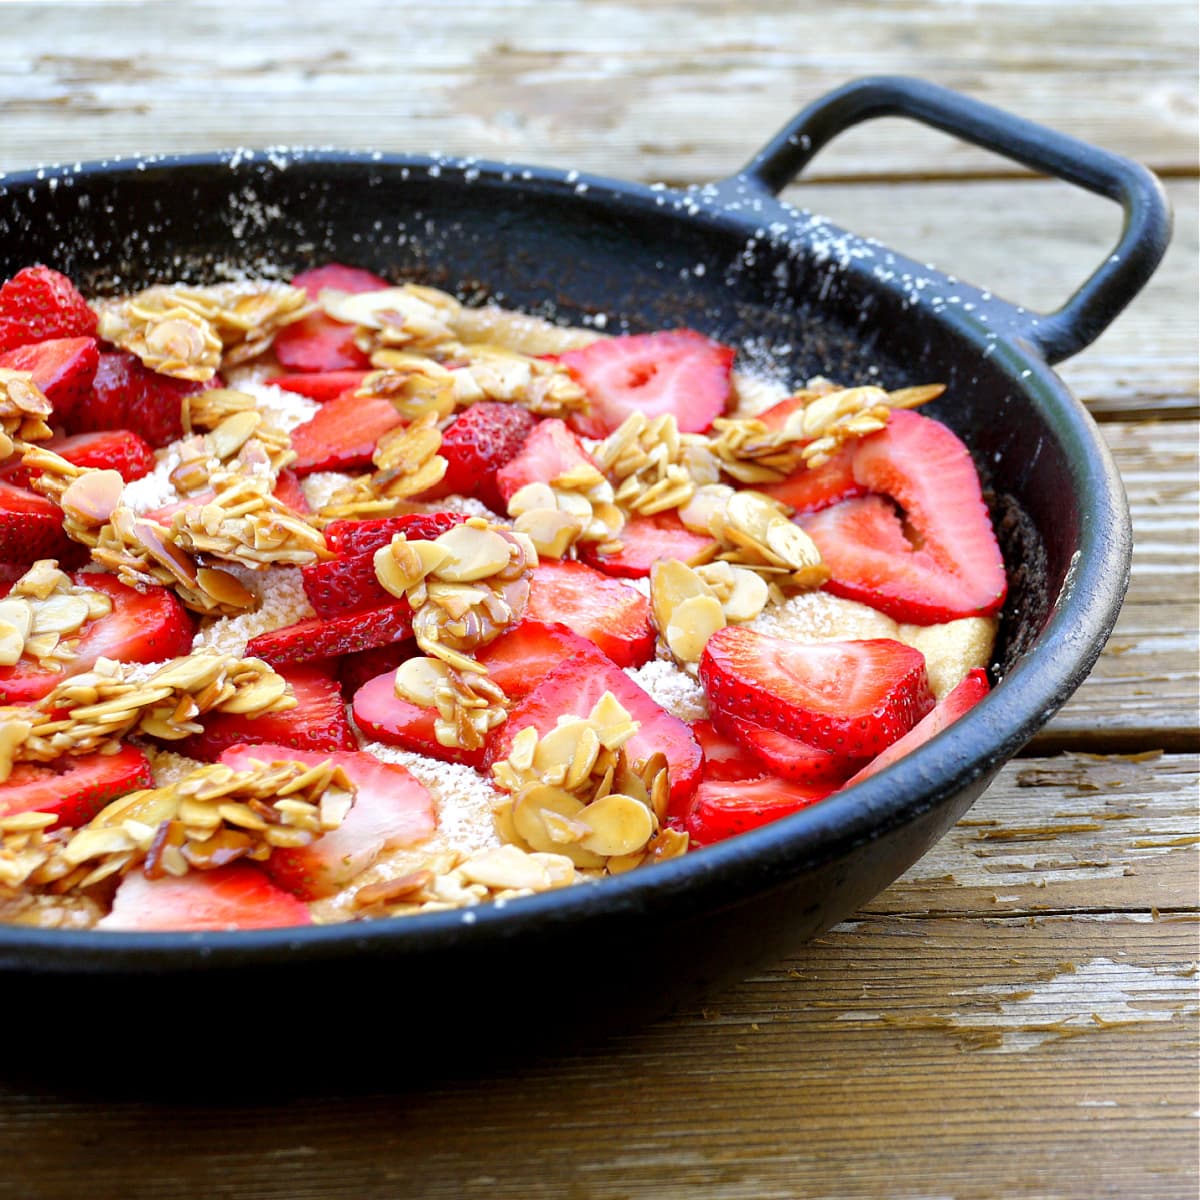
(743, 268)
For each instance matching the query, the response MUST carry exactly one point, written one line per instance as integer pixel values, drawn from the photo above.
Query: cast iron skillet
(729, 259)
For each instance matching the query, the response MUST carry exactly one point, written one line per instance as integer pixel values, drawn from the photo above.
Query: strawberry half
(725, 760)
(962, 699)
(128, 395)
(392, 808)
(549, 450)
(573, 688)
(852, 699)
(384, 717)
(320, 385)
(355, 670)
(323, 637)
(31, 527)
(721, 809)
(645, 540)
(232, 897)
(941, 561)
(74, 788)
(63, 368)
(318, 722)
(144, 627)
(519, 660)
(318, 343)
(613, 615)
(479, 443)
(111, 449)
(811, 489)
(677, 371)
(343, 434)
(365, 537)
(346, 584)
(38, 303)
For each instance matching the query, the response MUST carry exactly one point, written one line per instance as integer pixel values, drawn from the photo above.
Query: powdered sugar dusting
(156, 489)
(283, 603)
(284, 410)
(167, 766)
(820, 617)
(671, 688)
(319, 487)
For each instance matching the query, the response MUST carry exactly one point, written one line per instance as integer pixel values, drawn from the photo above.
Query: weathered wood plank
(898, 1057)
(617, 87)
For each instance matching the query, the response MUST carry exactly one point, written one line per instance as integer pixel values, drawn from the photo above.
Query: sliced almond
(692, 623)
(474, 553)
(619, 824)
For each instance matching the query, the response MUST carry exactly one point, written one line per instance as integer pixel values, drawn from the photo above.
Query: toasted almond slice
(474, 553)
(692, 623)
(619, 824)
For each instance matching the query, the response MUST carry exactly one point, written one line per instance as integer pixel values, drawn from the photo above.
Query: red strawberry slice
(812, 489)
(962, 699)
(346, 584)
(343, 434)
(31, 527)
(720, 809)
(645, 540)
(776, 416)
(38, 303)
(289, 491)
(520, 659)
(550, 450)
(111, 449)
(724, 759)
(318, 343)
(938, 564)
(148, 626)
(355, 670)
(75, 788)
(852, 699)
(318, 722)
(320, 385)
(787, 757)
(128, 395)
(63, 368)
(606, 611)
(339, 278)
(232, 897)
(573, 688)
(392, 808)
(362, 537)
(322, 637)
(676, 371)
(479, 443)
(384, 717)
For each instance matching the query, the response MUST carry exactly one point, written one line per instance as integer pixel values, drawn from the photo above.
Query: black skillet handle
(1111, 286)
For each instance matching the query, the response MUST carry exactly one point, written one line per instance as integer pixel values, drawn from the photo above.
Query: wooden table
(1016, 1017)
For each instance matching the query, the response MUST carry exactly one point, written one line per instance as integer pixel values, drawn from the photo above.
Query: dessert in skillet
(335, 600)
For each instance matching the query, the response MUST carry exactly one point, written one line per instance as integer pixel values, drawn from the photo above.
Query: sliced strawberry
(787, 757)
(39, 303)
(318, 343)
(355, 670)
(519, 660)
(338, 278)
(477, 444)
(850, 698)
(343, 434)
(384, 717)
(962, 699)
(573, 688)
(677, 371)
(74, 788)
(289, 491)
(724, 759)
(128, 395)
(720, 809)
(391, 809)
(938, 564)
(346, 584)
(812, 489)
(775, 417)
(361, 537)
(645, 540)
(232, 897)
(63, 368)
(606, 611)
(145, 627)
(111, 449)
(320, 385)
(550, 450)
(324, 637)
(318, 722)
(31, 527)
